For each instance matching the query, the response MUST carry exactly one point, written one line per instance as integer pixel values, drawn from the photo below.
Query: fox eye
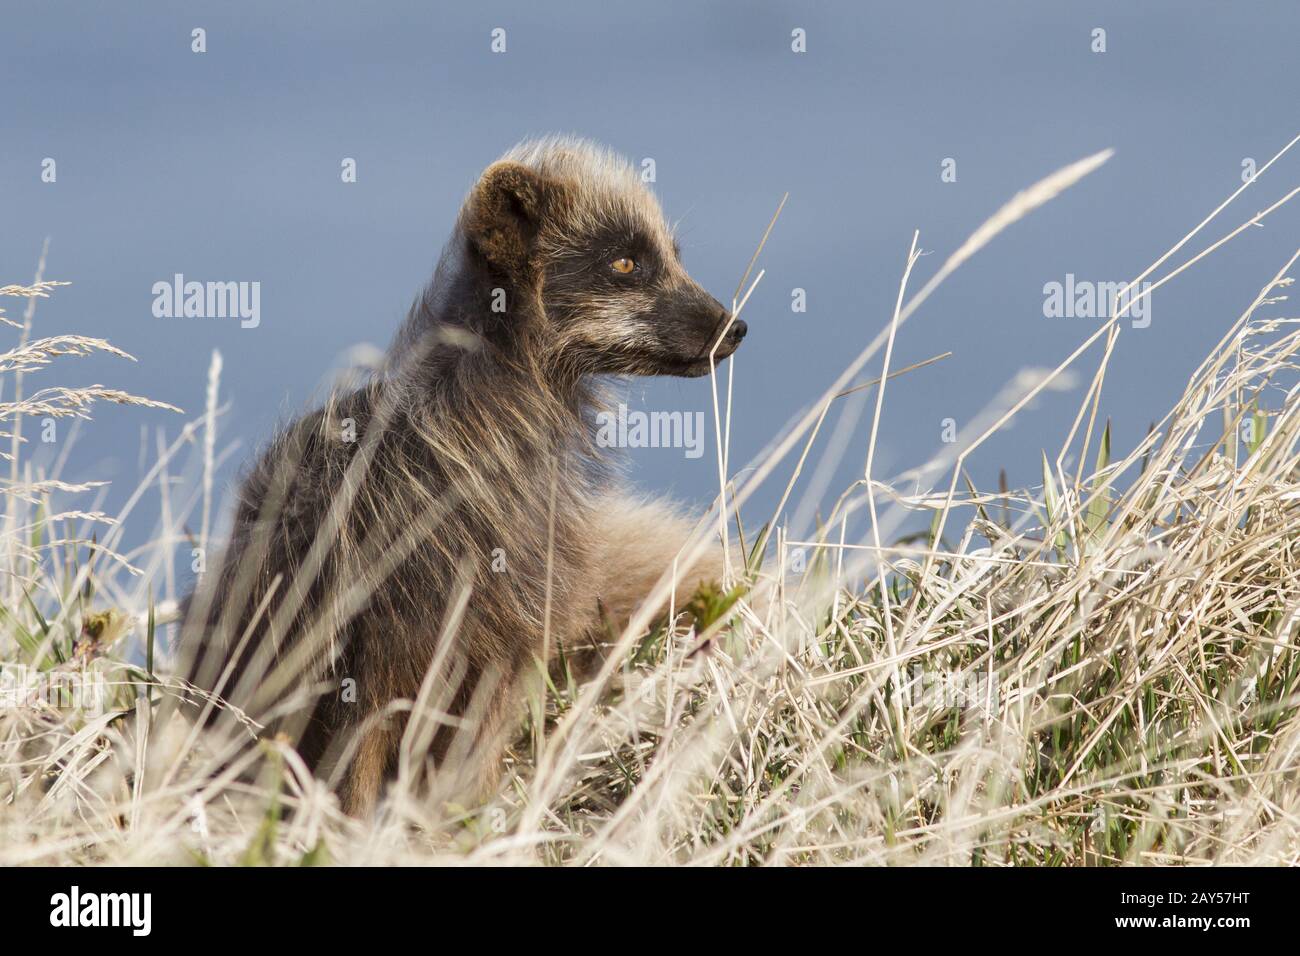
(623, 265)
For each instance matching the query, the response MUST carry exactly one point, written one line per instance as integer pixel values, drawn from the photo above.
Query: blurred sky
(226, 166)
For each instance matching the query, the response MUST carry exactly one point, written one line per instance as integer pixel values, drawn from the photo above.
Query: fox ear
(504, 215)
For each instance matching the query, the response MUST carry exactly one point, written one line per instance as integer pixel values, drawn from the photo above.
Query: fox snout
(735, 334)
(727, 334)
(703, 326)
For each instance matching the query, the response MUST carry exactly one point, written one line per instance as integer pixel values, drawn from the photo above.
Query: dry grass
(1101, 669)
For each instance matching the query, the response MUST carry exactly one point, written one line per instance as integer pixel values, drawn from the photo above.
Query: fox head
(568, 231)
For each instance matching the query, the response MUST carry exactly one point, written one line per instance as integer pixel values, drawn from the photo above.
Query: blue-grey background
(226, 166)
